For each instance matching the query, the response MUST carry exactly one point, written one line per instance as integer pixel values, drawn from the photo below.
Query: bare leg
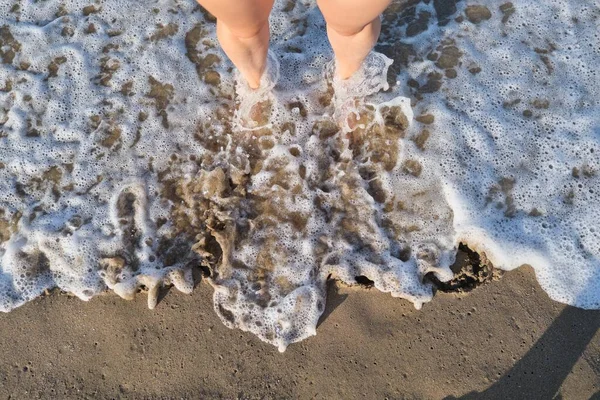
(243, 32)
(353, 28)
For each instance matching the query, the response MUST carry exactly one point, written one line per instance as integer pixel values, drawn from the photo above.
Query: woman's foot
(254, 106)
(349, 94)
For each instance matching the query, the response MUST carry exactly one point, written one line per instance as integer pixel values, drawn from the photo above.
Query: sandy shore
(93, 96)
(505, 339)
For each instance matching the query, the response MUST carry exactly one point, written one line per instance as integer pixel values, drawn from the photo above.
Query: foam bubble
(121, 166)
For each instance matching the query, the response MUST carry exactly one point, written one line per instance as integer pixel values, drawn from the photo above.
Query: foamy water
(122, 164)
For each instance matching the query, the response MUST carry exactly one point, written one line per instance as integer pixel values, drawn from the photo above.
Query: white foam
(118, 156)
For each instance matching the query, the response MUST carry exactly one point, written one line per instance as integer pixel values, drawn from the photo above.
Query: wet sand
(505, 339)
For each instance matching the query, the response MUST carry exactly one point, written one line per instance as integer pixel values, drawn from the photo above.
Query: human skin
(243, 32)
(353, 27)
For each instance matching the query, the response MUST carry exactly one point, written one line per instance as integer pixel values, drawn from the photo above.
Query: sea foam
(122, 165)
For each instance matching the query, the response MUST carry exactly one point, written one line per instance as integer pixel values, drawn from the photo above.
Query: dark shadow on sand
(542, 371)
(198, 275)
(334, 300)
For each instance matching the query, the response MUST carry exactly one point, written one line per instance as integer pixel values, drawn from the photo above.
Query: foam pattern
(517, 135)
(123, 164)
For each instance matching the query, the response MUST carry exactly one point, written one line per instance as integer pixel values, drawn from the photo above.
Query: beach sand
(505, 339)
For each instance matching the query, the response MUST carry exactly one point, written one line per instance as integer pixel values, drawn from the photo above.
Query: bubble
(509, 165)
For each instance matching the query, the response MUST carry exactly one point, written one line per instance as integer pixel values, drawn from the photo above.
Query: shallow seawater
(123, 166)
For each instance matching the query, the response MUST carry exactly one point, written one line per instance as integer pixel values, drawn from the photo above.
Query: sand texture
(503, 340)
(132, 160)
